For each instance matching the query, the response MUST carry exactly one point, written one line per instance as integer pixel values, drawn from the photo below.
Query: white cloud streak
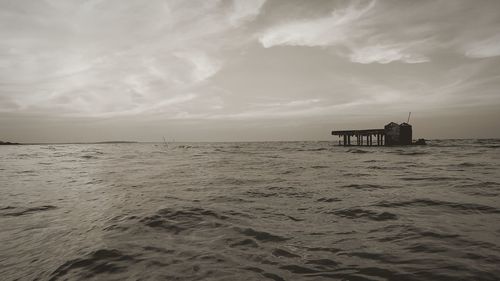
(346, 27)
(332, 30)
(486, 48)
(385, 54)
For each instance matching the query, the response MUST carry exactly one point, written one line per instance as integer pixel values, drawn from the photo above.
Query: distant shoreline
(9, 143)
(56, 143)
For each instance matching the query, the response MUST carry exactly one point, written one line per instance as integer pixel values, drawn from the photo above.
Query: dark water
(250, 211)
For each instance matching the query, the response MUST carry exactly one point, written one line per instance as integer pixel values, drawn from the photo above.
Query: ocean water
(250, 211)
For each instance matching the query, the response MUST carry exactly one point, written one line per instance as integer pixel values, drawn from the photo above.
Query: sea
(250, 211)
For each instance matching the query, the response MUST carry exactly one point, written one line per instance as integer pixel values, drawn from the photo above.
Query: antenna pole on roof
(409, 114)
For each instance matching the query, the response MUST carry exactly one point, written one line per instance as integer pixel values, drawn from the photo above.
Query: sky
(246, 70)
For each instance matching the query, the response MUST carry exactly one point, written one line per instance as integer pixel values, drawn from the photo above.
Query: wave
(319, 167)
(177, 221)
(246, 243)
(357, 150)
(323, 264)
(460, 207)
(264, 273)
(315, 149)
(25, 211)
(103, 261)
(89, 157)
(293, 218)
(284, 253)
(259, 194)
(356, 175)
(469, 164)
(261, 236)
(433, 178)
(30, 172)
(412, 153)
(386, 168)
(487, 188)
(298, 269)
(358, 213)
(365, 186)
(370, 256)
(328, 200)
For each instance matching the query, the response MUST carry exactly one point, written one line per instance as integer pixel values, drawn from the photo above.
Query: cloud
(385, 54)
(346, 27)
(332, 30)
(203, 65)
(485, 48)
(105, 58)
(244, 10)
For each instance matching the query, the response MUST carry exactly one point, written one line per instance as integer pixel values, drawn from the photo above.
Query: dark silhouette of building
(405, 134)
(391, 131)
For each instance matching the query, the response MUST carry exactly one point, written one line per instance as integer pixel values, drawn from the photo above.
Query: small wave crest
(365, 186)
(455, 206)
(177, 221)
(412, 153)
(20, 211)
(328, 199)
(261, 236)
(103, 261)
(357, 150)
(359, 213)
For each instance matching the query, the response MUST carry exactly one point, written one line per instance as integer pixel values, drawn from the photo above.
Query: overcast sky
(75, 70)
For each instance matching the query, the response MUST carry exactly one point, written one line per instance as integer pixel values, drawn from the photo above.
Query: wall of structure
(391, 134)
(405, 134)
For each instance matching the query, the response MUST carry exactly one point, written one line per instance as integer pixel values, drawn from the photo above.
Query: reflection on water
(250, 211)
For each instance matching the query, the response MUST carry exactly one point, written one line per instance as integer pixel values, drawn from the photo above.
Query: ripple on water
(320, 167)
(243, 243)
(465, 208)
(88, 157)
(359, 213)
(365, 186)
(261, 236)
(432, 178)
(328, 199)
(177, 221)
(412, 153)
(357, 150)
(264, 273)
(20, 211)
(284, 253)
(102, 261)
(484, 188)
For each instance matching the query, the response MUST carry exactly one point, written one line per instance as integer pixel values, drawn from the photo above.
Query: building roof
(392, 124)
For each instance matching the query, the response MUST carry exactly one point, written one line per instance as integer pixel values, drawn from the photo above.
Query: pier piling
(362, 137)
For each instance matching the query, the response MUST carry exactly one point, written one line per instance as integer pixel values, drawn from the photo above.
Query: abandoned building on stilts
(391, 134)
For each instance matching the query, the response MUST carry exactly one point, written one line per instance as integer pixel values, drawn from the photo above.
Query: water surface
(250, 211)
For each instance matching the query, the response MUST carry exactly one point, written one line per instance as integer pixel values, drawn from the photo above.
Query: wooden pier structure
(391, 134)
(363, 137)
